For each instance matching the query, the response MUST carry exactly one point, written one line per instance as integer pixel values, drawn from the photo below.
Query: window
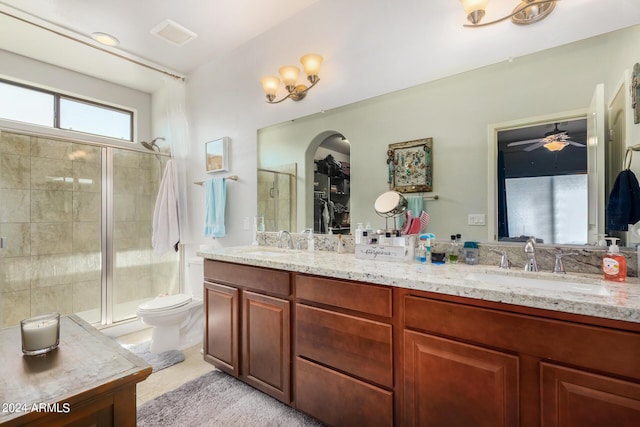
(86, 117)
(26, 105)
(40, 107)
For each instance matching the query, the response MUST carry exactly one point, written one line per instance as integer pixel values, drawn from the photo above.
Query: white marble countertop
(558, 292)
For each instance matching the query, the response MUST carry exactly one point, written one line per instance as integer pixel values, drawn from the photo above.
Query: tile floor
(172, 377)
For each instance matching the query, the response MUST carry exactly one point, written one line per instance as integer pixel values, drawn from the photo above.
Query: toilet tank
(195, 277)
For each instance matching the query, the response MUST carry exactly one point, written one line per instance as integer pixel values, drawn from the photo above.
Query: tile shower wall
(51, 216)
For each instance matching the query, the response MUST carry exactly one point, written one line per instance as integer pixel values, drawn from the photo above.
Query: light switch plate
(245, 224)
(475, 219)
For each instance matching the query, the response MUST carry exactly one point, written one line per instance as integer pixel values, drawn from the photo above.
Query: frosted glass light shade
(270, 84)
(471, 6)
(311, 63)
(289, 75)
(555, 145)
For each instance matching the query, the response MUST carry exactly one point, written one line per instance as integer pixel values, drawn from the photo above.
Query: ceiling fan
(555, 140)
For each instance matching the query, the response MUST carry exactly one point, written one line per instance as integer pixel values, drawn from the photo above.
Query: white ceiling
(424, 35)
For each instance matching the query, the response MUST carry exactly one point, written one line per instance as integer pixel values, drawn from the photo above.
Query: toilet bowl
(172, 318)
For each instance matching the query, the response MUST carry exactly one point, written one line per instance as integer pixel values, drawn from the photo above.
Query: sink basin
(539, 283)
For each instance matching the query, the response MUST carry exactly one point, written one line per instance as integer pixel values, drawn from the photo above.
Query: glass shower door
(138, 274)
(50, 217)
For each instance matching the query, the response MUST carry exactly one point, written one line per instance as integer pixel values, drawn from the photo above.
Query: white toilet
(177, 320)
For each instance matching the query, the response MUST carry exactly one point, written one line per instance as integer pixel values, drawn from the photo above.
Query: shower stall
(277, 197)
(75, 222)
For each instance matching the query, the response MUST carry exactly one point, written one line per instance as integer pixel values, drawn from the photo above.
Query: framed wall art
(217, 155)
(411, 166)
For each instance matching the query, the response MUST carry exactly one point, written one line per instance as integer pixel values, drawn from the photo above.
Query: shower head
(152, 145)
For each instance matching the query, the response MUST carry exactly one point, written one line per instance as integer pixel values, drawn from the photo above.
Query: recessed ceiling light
(106, 39)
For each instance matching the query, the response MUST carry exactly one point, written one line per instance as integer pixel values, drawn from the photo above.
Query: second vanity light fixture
(527, 12)
(289, 75)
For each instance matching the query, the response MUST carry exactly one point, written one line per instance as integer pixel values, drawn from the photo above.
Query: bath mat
(158, 361)
(218, 399)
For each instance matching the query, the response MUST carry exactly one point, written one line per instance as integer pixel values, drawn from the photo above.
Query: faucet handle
(559, 265)
(504, 261)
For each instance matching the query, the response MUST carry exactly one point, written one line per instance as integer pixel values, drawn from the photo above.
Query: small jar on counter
(470, 251)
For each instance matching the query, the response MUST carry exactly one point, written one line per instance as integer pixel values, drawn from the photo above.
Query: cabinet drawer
(351, 344)
(370, 299)
(245, 276)
(339, 400)
(572, 343)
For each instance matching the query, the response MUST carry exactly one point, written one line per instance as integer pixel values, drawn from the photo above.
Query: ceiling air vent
(173, 33)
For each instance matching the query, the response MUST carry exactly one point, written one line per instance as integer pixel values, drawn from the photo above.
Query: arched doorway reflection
(332, 186)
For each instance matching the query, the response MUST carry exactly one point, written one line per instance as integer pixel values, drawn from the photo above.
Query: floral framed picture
(217, 155)
(411, 166)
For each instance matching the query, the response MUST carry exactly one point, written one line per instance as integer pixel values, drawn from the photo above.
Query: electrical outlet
(246, 223)
(475, 219)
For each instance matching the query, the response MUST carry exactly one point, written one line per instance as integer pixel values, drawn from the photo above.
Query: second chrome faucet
(530, 251)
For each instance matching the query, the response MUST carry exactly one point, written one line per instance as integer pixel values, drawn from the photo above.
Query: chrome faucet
(504, 261)
(559, 266)
(530, 251)
(283, 233)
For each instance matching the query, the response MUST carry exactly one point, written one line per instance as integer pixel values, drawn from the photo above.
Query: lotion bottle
(614, 265)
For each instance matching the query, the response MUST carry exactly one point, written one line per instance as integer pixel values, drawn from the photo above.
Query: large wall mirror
(460, 113)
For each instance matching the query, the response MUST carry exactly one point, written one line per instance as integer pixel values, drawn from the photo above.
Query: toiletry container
(453, 251)
(421, 251)
(470, 253)
(310, 241)
(614, 265)
(359, 231)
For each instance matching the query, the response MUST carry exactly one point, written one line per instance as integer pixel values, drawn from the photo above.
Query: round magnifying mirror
(390, 203)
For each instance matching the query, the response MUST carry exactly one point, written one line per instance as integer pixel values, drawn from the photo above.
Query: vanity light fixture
(289, 75)
(525, 13)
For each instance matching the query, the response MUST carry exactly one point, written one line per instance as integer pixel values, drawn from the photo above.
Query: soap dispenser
(614, 265)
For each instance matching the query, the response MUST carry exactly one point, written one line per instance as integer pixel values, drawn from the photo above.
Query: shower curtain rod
(51, 30)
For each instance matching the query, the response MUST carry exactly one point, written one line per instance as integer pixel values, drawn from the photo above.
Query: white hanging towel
(166, 228)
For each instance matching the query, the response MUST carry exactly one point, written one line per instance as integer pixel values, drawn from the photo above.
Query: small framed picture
(411, 166)
(217, 155)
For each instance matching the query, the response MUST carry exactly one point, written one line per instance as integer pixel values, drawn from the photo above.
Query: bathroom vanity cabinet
(247, 325)
(466, 364)
(344, 351)
(372, 354)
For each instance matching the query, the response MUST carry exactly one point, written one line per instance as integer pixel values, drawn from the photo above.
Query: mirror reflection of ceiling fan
(555, 140)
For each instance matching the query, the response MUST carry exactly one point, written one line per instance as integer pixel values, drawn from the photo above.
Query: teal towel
(415, 204)
(216, 196)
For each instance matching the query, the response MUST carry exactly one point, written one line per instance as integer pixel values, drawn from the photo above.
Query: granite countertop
(617, 301)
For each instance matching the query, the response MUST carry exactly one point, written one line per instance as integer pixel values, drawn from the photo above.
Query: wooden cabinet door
(221, 327)
(574, 398)
(449, 383)
(266, 355)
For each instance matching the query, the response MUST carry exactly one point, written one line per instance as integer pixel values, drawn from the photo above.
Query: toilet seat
(164, 303)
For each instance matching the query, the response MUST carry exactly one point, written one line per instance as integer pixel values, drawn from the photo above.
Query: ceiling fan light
(555, 145)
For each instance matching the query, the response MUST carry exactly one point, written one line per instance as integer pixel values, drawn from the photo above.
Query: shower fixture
(152, 145)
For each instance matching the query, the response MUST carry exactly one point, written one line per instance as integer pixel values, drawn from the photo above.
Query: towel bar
(232, 177)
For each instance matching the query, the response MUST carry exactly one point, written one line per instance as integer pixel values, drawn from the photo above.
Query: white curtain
(170, 113)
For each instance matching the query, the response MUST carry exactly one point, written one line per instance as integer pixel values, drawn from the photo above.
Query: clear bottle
(614, 265)
(359, 232)
(454, 250)
(421, 250)
(311, 242)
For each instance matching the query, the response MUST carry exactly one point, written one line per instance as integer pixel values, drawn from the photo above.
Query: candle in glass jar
(40, 334)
